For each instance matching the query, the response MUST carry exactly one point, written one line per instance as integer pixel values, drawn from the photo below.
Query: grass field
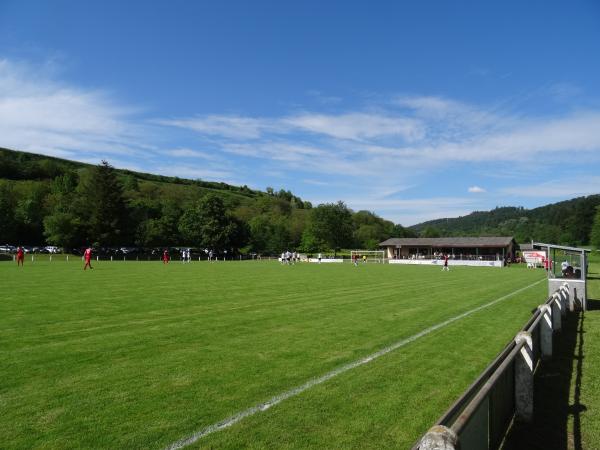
(141, 355)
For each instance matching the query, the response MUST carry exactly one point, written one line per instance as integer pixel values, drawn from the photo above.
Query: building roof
(459, 242)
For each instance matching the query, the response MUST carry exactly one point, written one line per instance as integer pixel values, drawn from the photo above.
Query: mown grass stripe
(232, 420)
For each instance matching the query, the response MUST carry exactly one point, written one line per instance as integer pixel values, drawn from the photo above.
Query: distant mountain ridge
(566, 222)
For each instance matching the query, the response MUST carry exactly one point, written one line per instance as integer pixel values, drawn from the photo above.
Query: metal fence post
(524, 378)
(557, 310)
(546, 331)
(439, 437)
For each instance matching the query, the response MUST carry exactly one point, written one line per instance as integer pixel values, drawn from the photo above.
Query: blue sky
(414, 110)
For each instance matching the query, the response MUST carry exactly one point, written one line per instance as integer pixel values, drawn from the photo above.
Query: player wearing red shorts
(165, 257)
(20, 256)
(87, 255)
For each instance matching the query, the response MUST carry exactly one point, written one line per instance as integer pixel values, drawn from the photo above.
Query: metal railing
(480, 418)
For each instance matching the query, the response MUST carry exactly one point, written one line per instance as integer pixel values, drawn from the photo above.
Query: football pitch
(245, 354)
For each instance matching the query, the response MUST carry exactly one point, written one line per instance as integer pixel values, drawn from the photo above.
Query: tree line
(105, 207)
(46, 200)
(568, 222)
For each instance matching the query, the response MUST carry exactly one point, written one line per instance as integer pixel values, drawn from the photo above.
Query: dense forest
(45, 200)
(569, 222)
(70, 205)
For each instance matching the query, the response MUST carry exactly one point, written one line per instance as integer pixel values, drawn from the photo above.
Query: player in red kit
(20, 256)
(165, 257)
(87, 255)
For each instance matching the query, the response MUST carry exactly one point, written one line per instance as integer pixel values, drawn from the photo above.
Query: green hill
(47, 200)
(18, 166)
(566, 222)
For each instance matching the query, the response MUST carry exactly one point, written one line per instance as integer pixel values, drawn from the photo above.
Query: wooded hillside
(568, 222)
(70, 204)
(45, 200)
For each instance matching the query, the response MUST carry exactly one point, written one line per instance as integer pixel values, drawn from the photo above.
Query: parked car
(52, 249)
(7, 248)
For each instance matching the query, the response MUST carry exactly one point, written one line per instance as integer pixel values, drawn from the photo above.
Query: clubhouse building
(463, 249)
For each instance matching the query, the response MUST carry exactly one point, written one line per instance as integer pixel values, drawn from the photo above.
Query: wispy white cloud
(357, 126)
(431, 105)
(551, 138)
(316, 182)
(476, 190)
(234, 127)
(439, 131)
(39, 114)
(352, 126)
(275, 150)
(563, 187)
(190, 153)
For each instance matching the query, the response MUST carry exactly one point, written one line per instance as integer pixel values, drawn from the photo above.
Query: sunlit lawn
(140, 355)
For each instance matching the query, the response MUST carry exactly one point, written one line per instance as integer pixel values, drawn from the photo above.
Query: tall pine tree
(105, 208)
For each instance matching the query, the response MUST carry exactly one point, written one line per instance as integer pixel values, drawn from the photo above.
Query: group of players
(186, 255)
(356, 258)
(87, 256)
(288, 258)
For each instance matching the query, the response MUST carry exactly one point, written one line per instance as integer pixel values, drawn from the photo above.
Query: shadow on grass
(593, 304)
(552, 406)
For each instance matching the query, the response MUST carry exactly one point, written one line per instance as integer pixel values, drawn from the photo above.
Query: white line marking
(225, 423)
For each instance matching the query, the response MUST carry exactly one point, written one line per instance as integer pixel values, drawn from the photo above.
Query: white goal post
(376, 256)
